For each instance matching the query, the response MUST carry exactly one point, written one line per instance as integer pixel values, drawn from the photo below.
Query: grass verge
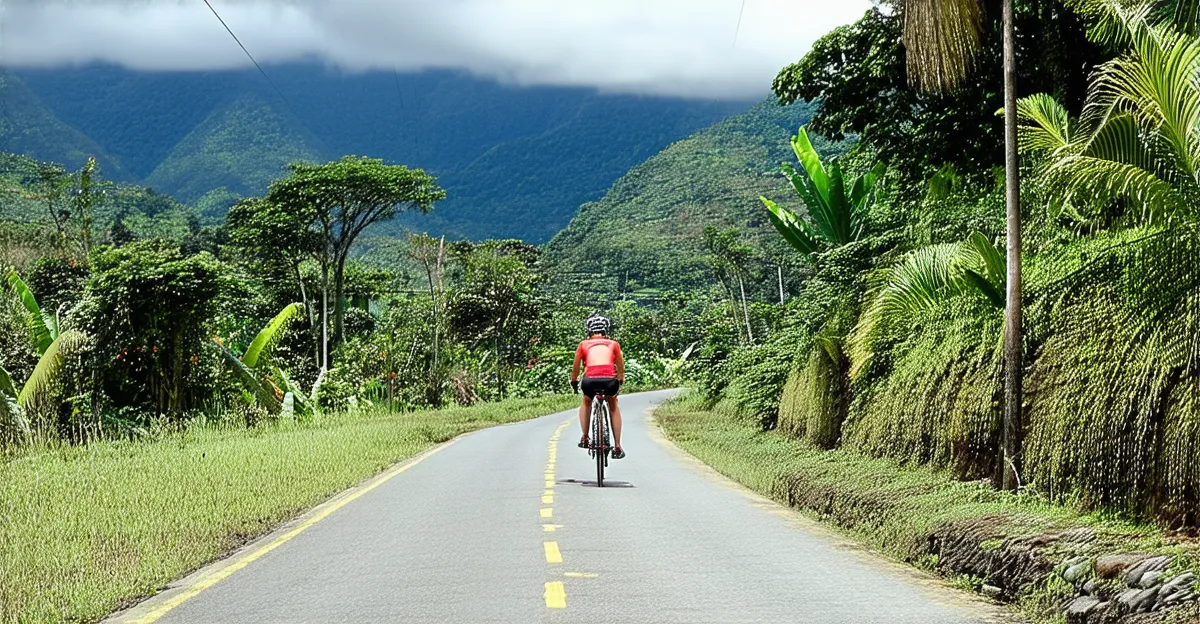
(1013, 543)
(85, 531)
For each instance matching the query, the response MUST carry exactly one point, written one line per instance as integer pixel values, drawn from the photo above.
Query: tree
(277, 240)
(729, 258)
(836, 211)
(344, 198)
(496, 303)
(1135, 147)
(857, 77)
(150, 308)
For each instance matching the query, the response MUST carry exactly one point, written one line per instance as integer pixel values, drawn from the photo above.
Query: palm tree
(836, 212)
(1137, 142)
(941, 38)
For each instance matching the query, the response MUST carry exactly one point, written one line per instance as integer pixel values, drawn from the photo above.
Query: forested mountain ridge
(237, 151)
(516, 161)
(647, 231)
(27, 126)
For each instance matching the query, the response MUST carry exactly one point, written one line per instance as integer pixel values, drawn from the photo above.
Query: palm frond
(993, 261)
(12, 416)
(249, 380)
(941, 39)
(922, 281)
(1047, 124)
(37, 388)
(43, 327)
(269, 334)
(1110, 21)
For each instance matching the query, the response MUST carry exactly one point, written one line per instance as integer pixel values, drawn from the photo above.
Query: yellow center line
(556, 595)
(580, 574)
(547, 512)
(550, 528)
(548, 499)
(552, 553)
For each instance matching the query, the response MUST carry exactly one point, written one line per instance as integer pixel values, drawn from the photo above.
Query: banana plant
(836, 210)
(52, 344)
(272, 389)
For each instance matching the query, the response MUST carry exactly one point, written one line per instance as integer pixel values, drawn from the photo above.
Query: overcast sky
(672, 47)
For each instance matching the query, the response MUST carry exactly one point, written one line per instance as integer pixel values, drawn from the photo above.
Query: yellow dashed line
(556, 595)
(550, 528)
(548, 499)
(547, 512)
(580, 574)
(552, 554)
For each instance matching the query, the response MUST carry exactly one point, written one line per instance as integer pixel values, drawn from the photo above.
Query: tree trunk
(324, 315)
(1013, 391)
(779, 268)
(745, 310)
(339, 296)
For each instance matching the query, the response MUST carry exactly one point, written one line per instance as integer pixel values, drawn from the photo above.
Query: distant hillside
(28, 127)
(238, 150)
(515, 161)
(646, 233)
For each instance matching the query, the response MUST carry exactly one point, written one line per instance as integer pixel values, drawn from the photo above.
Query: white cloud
(674, 47)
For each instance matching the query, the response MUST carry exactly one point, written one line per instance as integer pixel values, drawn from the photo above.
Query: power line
(737, 30)
(243, 47)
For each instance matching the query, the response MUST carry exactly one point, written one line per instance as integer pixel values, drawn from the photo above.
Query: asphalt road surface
(503, 526)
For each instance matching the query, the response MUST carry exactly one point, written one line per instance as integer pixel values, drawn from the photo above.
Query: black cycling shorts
(607, 386)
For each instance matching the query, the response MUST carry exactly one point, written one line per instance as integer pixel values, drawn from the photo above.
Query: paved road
(473, 533)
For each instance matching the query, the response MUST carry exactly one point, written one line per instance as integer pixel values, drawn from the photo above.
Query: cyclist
(604, 372)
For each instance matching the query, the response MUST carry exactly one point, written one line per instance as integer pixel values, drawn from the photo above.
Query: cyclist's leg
(614, 412)
(585, 409)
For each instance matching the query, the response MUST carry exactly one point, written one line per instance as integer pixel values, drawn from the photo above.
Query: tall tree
(345, 197)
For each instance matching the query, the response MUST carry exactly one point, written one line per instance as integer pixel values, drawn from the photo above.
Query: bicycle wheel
(600, 437)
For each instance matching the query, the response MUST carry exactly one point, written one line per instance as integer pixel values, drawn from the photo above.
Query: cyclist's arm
(576, 364)
(620, 362)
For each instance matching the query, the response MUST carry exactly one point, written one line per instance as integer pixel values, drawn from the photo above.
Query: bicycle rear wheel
(600, 437)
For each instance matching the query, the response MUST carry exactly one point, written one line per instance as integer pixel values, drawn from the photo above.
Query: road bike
(600, 445)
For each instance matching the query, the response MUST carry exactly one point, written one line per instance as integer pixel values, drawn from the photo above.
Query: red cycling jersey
(599, 356)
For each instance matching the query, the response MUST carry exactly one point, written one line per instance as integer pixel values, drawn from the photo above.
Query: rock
(1080, 607)
(1150, 579)
(1134, 575)
(1090, 586)
(1109, 566)
(1077, 572)
(1145, 599)
(991, 591)
(1126, 597)
(1183, 580)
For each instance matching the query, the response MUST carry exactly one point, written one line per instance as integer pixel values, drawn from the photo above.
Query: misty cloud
(671, 47)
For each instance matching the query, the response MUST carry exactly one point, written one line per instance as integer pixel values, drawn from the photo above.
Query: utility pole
(1013, 368)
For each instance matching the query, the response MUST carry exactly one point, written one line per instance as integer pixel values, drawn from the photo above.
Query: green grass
(87, 530)
(902, 509)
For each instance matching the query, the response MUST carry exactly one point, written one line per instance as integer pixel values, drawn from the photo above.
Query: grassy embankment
(966, 531)
(84, 531)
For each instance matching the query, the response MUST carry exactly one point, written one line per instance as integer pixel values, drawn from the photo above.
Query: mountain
(646, 233)
(27, 127)
(515, 161)
(238, 150)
